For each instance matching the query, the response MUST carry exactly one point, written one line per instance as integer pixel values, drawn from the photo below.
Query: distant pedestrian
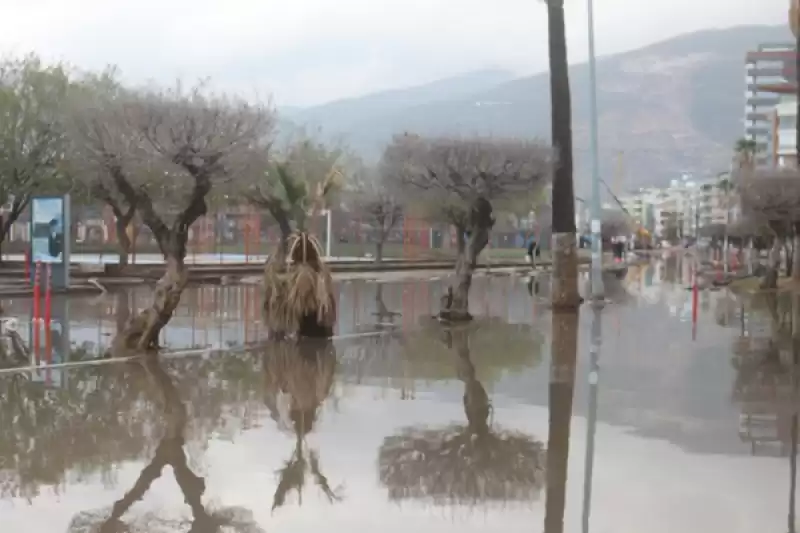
(619, 250)
(533, 252)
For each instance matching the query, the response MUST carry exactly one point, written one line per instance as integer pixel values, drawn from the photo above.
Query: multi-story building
(686, 204)
(766, 67)
(785, 153)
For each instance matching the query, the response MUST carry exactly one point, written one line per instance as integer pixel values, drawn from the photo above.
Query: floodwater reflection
(470, 464)
(415, 427)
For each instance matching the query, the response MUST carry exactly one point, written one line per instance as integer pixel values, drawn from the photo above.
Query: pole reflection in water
(562, 384)
(793, 451)
(591, 425)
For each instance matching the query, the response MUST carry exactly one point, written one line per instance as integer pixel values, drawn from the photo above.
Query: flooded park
(395, 425)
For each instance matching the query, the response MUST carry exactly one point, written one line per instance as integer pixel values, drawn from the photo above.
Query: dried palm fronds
(298, 286)
(302, 369)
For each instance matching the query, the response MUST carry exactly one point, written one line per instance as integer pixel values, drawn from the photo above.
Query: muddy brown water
(411, 429)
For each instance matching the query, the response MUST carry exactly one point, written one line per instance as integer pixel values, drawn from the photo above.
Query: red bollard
(48, 355)
(36, 291)
(47, 297)
(695, 292)
(247, 244)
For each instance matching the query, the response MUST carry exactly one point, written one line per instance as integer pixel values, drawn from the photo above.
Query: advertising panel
(47, 230)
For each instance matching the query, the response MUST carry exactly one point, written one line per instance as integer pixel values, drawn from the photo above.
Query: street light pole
(597, 270)
(597, 241)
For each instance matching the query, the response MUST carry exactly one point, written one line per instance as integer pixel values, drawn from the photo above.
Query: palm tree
(301, 373)
(561, 387)
(298, 290)
(746, 150)
(565, 288)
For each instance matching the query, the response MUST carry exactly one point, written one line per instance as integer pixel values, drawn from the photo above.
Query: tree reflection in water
(467, 464)
(169, 452)
(766, 384)
(301, 373)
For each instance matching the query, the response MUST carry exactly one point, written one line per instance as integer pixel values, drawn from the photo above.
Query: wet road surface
(415, 429)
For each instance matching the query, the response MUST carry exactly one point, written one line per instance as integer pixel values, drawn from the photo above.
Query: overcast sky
(310, 51)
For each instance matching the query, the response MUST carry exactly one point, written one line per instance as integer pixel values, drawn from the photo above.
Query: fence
(246, 232)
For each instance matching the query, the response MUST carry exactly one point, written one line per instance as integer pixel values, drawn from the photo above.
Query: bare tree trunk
(788, 253)
(562, 381)
(125, 243)
(457, 307)
(379, 251)
(461, 241)
(142, 332)
(286, 231)
(123, 311)
(796, 254)
(770, 280)
(565, 264)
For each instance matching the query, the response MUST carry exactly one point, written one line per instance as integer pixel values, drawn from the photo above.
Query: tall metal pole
(597, 241)
(591, 430)
(597, 273)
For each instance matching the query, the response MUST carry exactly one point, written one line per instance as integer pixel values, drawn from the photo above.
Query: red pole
(246, 294)
(35, 322)
(695, 292)
(48, 354)
(47, 297)
(36, 291)
(247, 243)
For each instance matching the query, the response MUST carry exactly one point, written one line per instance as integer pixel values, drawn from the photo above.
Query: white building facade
(763, 67)
(786, 128)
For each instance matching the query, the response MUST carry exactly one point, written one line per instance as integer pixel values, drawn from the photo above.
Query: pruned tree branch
(373, 199)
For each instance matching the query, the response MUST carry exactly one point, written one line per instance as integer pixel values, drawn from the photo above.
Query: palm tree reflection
(463, 465)
(562, 384)
(299, 377)
(170, 452)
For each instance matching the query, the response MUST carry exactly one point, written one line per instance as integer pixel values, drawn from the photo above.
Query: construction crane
(618, 177)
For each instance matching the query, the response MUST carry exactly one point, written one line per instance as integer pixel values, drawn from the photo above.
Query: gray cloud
(311, 51)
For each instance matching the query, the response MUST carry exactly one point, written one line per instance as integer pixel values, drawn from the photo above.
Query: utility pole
(597, 240)
(598, 300)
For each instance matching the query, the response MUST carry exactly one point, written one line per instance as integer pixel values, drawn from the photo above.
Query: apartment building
(785, 153)
(690, 203)
(765, 68)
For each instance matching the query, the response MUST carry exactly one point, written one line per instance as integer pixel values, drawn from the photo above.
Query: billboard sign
(47, 230)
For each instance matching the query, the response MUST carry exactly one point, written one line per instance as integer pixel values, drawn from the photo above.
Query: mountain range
(668, 108)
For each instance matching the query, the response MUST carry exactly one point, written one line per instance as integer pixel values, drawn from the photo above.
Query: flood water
(409, 428)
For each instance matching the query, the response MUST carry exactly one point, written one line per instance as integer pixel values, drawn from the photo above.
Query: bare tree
(32, 98)
(773, 195)
(176, 145)
(380, 206)
(100, 143)
(457, 181)
(295, 182)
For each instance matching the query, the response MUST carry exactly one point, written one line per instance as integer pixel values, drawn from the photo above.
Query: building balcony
(762, 100)
(757, 71)
(756, 117)
(757, 131)
(776, 53)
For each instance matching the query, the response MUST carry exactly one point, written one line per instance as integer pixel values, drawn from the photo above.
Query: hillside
(346, 116)
(671, 107)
